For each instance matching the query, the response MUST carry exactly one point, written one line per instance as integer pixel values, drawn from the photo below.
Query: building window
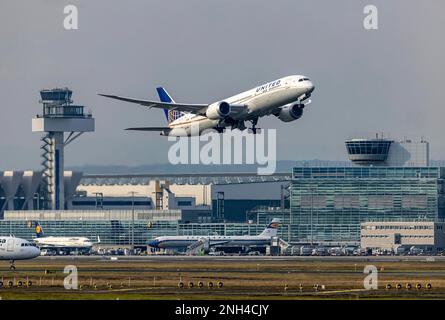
(313, 201)
(346, 202)
(414, 201)
(380, 202)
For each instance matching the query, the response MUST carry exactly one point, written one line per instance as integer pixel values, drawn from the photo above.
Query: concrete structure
(21, 190)
(241, 192)
(31, 181)
(9, 182)
(390, 236)
(58, 116)
(201, 197)
(386, 152)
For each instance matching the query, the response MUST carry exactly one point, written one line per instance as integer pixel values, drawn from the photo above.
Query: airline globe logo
(173, 115)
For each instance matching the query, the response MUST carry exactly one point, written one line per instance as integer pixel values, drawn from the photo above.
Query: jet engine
(290, 112)
(218, 110)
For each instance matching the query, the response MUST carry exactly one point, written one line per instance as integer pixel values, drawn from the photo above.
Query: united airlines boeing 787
(284, 98)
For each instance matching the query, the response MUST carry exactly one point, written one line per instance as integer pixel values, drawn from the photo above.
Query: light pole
(38, 199)
(312, 213)
(132, 220)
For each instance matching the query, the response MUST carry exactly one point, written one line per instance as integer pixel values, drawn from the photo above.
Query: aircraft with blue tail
(284, 98)
(176, 242)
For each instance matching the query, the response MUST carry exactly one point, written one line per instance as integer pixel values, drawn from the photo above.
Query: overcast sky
(387, 80)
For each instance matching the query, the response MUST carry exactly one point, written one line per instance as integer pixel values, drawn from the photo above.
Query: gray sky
(388, 80)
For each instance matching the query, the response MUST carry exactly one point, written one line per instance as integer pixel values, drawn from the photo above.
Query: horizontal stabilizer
(164, 129)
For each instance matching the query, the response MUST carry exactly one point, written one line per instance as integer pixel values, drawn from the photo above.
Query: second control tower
(59, 116)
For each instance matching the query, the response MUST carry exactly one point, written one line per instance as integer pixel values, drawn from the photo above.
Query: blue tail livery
(171, 115)
(39, 230)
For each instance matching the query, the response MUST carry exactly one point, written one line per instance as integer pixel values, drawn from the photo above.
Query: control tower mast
(59, 116)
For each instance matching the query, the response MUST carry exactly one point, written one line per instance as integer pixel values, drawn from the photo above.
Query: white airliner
(284, 98)
(264, 238)
(66, 243)
(12, 249)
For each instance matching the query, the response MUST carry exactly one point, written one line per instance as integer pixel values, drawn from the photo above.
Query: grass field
(141, 279)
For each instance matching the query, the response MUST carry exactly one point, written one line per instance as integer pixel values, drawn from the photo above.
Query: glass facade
(328, 204)
(368, 151)
(226, 229)
(376, 147)
(111, 232)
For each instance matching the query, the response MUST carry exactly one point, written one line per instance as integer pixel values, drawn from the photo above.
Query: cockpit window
(303, 79)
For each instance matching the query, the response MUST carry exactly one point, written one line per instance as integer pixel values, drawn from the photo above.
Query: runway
(168, 258)
(241, 277)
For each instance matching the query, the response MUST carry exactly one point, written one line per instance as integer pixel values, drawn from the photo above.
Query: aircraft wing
(162, 129)
(197, 246)
(192, 108)
(219, 243)
(203, 243)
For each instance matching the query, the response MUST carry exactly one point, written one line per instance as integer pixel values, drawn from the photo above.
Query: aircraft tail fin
(170, 115)
(271, 229)
(39, 230)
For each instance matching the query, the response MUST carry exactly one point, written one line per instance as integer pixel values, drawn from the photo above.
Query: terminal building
(328, 204)
(122, 228)
(170, 204)
(391, 236)
(201, 197)
(388, 181)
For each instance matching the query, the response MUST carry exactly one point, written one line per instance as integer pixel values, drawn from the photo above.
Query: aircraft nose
(153, 244)
(36, 252)
(310, 86)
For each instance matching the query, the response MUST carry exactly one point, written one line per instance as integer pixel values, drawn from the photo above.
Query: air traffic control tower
(364, 152)
(59, 116)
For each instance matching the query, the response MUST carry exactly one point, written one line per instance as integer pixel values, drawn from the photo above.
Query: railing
(64, 111)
